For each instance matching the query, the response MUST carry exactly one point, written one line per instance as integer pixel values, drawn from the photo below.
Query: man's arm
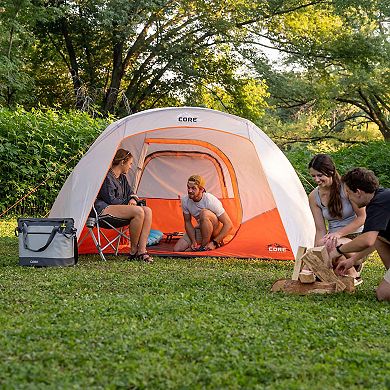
(361, 246)
(358, 244)
(344, 265)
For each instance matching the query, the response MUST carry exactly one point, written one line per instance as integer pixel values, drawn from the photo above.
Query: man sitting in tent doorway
(213, 223)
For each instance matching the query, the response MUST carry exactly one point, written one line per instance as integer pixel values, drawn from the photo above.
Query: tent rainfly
(257, 185)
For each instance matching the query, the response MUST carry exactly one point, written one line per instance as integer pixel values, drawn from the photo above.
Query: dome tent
(242, 167)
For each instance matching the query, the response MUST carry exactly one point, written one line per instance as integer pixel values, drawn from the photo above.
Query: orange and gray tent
(241, 165)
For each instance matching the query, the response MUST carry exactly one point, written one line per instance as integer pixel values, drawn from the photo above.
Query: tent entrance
(165, 173)
(163, 182)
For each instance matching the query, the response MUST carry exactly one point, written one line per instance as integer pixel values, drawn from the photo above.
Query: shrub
(44, 146)
(37, 146)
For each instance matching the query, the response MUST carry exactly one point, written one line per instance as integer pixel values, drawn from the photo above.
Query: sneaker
(202, 249)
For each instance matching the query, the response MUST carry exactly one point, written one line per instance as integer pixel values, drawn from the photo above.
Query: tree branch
(380, 100)
(293, 9)
(354, 103)
(317, 139)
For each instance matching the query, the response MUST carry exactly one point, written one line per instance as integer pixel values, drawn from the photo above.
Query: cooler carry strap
(49, 240)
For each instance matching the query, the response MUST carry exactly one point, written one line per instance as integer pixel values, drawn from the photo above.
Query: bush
(45, 145)
(373, 155)
(37, 146)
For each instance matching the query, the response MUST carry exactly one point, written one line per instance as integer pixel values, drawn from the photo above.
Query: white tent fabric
(265, 178)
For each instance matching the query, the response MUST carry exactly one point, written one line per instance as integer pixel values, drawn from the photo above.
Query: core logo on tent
(33, 261)
(276, 248)
(187, 118)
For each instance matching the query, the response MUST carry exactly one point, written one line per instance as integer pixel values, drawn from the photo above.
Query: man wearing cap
(213, 223)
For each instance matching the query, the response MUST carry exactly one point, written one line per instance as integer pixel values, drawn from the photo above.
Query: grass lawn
(184, 324)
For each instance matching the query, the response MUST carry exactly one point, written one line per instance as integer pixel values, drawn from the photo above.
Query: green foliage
(342, 52)
(15, 45)
(184, 324)
(126, 56)
(238, 95)
(44, 146)
(37, 146)
(373, 155)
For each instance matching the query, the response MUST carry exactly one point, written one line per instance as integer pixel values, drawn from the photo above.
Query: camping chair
(101, 241)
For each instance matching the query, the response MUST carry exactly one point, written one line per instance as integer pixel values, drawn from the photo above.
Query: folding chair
(100, 239)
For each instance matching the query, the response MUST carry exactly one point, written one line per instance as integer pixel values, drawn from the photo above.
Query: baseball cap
(198, 180)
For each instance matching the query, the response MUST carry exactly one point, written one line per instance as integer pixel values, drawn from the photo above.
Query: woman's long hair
(324, 164)
(121, 155)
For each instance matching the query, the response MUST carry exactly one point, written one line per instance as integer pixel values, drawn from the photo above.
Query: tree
(343, 53)
(125, 56)
(128, 55)
(14, 42)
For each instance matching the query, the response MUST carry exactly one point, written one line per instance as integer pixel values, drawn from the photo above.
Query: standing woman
(334, 215)
(116, 198)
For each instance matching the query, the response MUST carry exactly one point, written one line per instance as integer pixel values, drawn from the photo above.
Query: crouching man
(362, 188)
(213, 223)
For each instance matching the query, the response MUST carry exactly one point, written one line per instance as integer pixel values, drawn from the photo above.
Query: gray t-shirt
(208, 201)
(348, 213)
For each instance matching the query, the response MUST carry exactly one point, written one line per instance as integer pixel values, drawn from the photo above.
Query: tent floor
(163, 249)
(163, 246)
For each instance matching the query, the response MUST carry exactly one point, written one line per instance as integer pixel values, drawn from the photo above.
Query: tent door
(164, 176)
(141, 163)
(177, 164)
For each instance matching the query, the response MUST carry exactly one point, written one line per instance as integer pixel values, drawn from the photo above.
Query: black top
(113, 191)
(378, 213)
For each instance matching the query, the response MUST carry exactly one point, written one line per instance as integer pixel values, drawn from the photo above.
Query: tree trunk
(385, 130)
(111, 97)
(381, 118)
(374, 108)
(73, 68)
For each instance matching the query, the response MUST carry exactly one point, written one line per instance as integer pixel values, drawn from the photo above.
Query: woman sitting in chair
(116, 199)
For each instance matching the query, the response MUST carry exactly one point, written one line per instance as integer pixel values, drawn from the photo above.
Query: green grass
(184, 324)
